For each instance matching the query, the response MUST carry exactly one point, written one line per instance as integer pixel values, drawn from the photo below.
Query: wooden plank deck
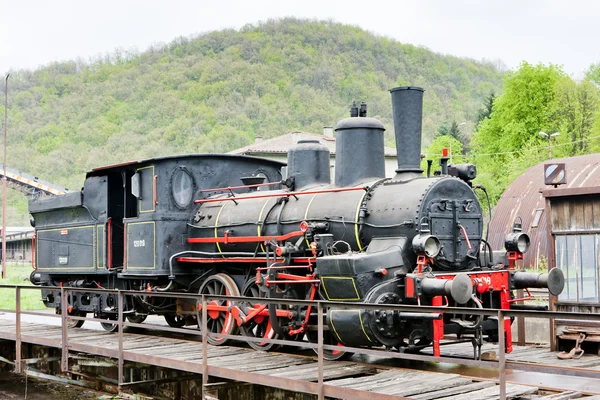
(539, 354)
(342, 378)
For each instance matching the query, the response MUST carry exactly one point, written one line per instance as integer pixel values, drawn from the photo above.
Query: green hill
(217, 91)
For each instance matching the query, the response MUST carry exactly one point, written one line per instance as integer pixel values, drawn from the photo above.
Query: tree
(593, 74)
(575, 111)
(522, 111)
(434, 151)
(536, 98)
(219, 90)
(486, 111)
(455, 132)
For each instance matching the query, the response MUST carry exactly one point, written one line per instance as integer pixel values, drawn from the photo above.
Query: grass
(18, 274)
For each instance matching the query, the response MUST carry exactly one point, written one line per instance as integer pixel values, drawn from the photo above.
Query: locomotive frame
(185, 223)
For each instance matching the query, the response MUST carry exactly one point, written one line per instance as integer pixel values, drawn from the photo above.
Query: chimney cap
(359, 123)
(396, 89)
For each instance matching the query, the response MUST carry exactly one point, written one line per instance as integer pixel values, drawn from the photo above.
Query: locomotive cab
(121, 229)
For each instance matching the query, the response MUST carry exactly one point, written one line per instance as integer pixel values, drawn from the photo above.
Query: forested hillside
(218, 91)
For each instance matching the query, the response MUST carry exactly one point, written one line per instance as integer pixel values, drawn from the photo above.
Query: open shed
(523, 198)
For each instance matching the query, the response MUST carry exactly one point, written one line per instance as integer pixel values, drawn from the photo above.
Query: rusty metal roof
(281, 144)
(523, 198)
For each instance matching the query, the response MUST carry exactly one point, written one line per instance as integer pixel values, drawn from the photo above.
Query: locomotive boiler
(231, 225)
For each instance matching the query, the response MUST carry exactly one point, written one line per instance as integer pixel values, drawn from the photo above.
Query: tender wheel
(328, 338)
(220, 321)
(73, 323)
(175, 321)
(107, 326)
(260, 326)
(137, 318)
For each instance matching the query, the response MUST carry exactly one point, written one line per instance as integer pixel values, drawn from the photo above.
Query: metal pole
(18, 367)
(120, 322)
(64, 362)
(204, 347)
(321, 394)
(4, 180)
(501, 355)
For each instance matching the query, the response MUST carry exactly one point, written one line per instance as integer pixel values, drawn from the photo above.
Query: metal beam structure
(29, 184)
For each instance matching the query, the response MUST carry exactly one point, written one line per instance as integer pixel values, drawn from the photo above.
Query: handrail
(33, 251)
(109, 243)
(230, 188)
(280, 194)
(501, 364)
(154, 188)
(336, 304)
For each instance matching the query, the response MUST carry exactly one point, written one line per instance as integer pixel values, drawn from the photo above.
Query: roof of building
(18, 233)
(523, 198)
(281, 144)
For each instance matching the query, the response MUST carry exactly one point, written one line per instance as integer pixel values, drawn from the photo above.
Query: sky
(35, 33)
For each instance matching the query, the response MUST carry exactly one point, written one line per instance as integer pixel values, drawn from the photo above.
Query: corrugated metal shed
(523, 198)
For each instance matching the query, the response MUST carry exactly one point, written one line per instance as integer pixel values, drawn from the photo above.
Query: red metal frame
(33, 251)
(438, 327)
(513, 257)
(494, 280)
(258, 311)
(226, 260)
(505, 305)
(285, 194)
(302, 328)
(528, 297)
(305, 280)
(491, 281)
(246, 239)
(421, 261)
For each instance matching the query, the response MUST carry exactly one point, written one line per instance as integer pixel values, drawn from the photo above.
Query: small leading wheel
(330, 339)
(219, 320)
(259, 326)
(174, 320)
(137, 318)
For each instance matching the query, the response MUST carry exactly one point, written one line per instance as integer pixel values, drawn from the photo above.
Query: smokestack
(407, 109)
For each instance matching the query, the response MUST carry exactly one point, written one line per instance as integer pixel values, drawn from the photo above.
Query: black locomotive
(233, 225)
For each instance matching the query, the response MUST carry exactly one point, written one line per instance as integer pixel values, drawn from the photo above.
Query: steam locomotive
(237, 225)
